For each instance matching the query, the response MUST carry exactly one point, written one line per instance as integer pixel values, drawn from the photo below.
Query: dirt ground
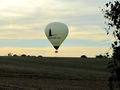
(7, 83)
(34, 73)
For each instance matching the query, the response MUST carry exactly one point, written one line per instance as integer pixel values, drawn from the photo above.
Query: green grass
(55, 68)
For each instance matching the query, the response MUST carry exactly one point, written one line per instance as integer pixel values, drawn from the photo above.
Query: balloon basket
(56, 51)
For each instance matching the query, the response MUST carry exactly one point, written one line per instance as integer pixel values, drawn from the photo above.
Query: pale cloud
(20, 32)
(17, 8)
(47, 8)
(27, 19)
(77, 51)
(32, 14)
(89, 32)
(33, 31)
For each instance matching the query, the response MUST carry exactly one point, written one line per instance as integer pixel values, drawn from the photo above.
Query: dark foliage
(83, 56)
(9, 54)
(15, 55)
(112, 14)
(40, 56)
(102, 56)
(23, 55)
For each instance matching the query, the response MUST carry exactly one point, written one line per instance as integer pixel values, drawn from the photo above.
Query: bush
(83, 56)
(15, 55)
(9, 54)
(100, 56)
(23, 55)
(40, 56)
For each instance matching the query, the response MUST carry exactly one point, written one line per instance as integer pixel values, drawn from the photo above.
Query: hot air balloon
(56, 33)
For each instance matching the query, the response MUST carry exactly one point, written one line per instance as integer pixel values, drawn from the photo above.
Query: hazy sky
(22, 24)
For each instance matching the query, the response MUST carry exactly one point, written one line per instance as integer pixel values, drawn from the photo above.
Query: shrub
(83, 56)
(40, 56)
(15, 55)
(23, 55)
(99, 56)
(9, 54)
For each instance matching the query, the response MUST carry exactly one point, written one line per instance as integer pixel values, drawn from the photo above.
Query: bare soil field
(50, 84)
(50, 73)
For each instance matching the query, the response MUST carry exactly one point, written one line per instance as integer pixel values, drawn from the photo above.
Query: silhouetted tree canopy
(99, 56)
(40, 56)
(23, 55)
(9, 54)
(83, 56)
(15, 55)
(112, 14)
(106, 55)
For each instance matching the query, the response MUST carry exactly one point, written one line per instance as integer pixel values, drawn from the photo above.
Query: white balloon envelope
(56, 33)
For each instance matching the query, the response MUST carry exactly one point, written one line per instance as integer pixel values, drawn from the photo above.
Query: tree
(40, 56)
(15, 55)
(106, 55)
(83, 56)
(9, 54)
(99, 56)
(112, 14)
(23, 55)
